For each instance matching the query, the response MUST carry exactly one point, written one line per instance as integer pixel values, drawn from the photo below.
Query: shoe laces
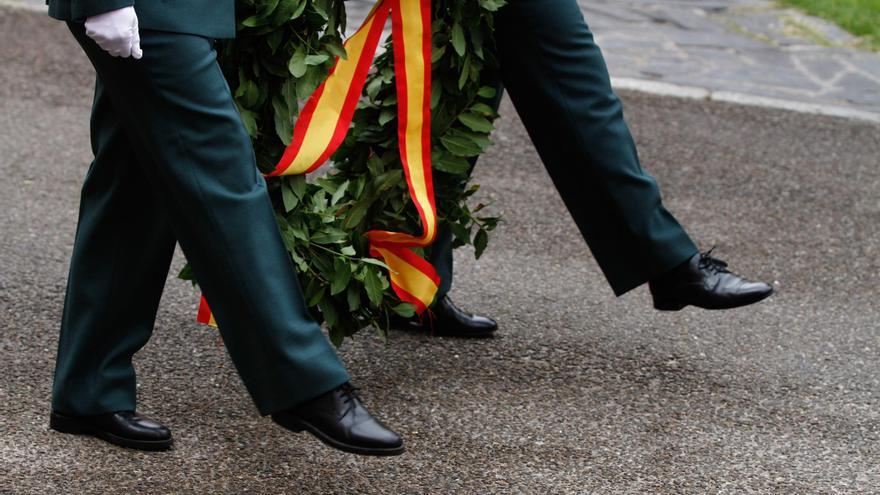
(714, 265)
(350, 397)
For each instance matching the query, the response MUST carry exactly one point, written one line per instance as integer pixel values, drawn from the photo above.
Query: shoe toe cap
(484, 323)
(147, 429)
(373, 434)
(760, 289)
(160, 433)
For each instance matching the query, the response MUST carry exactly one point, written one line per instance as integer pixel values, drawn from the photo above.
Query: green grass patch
(859, 17)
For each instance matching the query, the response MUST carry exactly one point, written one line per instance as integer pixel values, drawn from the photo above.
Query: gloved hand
(116, 32)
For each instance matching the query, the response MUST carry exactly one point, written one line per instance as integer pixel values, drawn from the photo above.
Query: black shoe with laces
(123, 428)
(705, 282)
(448, 320)
(338, 418)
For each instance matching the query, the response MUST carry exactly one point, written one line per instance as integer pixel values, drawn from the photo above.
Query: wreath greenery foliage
(282, 52)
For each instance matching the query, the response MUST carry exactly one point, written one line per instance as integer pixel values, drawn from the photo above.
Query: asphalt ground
(580, 392)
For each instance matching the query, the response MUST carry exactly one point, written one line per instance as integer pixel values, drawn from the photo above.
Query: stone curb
(695, 93)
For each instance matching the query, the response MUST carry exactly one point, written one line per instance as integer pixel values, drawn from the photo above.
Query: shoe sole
(421, 329)
(73, 426)
(483, 335)
(675, 305)
(298, 426)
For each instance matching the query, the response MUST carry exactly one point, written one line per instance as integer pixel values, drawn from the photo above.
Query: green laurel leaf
(475, 122)
(373, 286)
(458, 42)
(297, 64)
(460, 145)
(405, 310)
(341, 276)
(481, 240)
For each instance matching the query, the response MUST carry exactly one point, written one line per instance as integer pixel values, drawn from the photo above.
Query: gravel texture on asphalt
(580, 392)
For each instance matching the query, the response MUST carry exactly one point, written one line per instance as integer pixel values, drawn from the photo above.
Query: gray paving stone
(744, 46)
(854, 88)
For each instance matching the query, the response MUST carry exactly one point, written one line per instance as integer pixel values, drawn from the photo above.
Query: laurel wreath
(282, 52)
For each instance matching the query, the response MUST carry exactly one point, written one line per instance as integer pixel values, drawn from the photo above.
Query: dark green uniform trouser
(174, 163)
(557, 79)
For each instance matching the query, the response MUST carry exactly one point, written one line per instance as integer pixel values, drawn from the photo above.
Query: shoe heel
(65, 424)
(668, 305)
(289, 423)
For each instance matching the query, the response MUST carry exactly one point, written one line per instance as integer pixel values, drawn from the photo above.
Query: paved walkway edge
(694, 93)
(668, 89)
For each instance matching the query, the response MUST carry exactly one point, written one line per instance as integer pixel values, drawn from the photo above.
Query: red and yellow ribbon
(326, 118)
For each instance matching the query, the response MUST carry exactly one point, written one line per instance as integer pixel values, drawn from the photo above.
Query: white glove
(116, 32)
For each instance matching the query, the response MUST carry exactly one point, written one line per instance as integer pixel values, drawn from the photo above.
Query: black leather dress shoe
(447, 320)
(339, 419)
(705, 282)
(123, 428)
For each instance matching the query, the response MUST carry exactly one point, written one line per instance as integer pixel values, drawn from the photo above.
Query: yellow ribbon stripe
(325, 118)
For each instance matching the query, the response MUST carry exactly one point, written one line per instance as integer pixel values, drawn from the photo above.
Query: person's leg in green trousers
(557, 79)
(121, 258)
(174, 162)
